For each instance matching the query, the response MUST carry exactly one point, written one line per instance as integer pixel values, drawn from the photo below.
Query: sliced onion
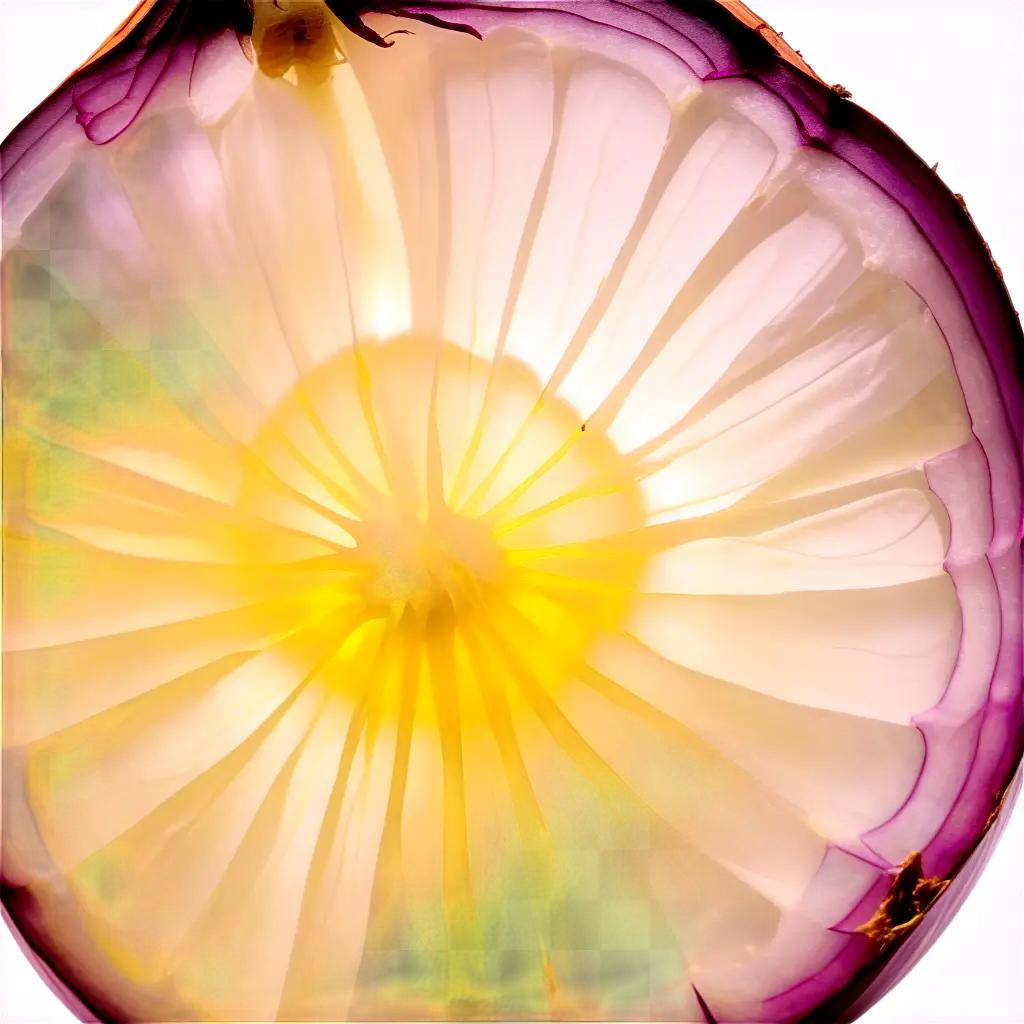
(513, 511)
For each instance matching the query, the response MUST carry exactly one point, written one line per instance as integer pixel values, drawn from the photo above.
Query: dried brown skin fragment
(1005, 794)
(963, 205)
(741, 11)
(910, 897)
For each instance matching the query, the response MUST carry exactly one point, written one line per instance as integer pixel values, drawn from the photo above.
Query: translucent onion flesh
(511, 511)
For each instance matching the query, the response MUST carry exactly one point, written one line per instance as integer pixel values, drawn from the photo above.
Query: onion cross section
(512, 511)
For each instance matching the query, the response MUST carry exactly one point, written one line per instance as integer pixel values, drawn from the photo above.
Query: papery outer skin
(716, 48)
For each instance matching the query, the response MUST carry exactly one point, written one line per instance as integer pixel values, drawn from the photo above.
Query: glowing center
(451, 559)
(462, 528)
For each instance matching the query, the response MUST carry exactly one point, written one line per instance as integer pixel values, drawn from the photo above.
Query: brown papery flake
(910, 897)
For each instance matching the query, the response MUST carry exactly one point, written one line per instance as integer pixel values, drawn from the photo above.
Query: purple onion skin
(58, 976)
(166, 44)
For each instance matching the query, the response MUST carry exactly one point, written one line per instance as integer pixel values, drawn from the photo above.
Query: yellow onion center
(474, 529)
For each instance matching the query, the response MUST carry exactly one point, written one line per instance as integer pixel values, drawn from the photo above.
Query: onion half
(512, 510)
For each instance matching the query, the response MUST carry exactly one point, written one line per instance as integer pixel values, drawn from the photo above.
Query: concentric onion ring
(512, 511)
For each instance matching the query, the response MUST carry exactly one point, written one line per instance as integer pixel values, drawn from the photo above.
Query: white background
(948, 76)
